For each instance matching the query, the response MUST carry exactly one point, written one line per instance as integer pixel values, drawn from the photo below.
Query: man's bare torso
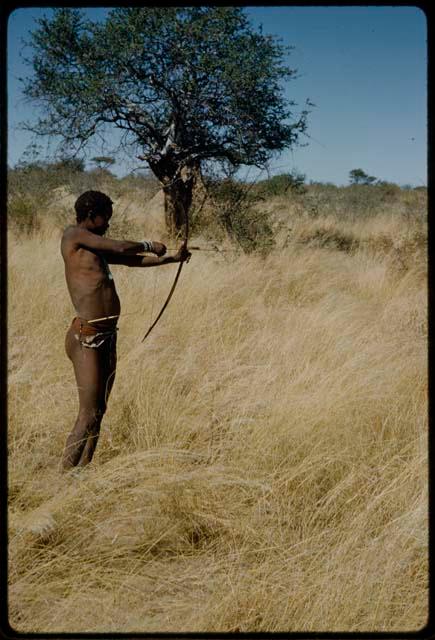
(88, 278)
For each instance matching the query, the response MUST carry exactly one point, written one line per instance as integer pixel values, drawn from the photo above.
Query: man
(91, 339)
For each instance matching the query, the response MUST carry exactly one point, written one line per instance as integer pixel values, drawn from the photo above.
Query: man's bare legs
(94, 370)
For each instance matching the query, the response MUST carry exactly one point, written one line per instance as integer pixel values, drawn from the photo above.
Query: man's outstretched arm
(146, 261)
(89, 240)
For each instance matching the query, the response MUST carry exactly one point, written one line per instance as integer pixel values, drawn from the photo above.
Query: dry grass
(263, 462)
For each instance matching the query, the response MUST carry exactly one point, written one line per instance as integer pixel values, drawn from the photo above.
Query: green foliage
(185, 84)
(40, 177)
(358, 176)
(388, 189)
(238, 217)
(281, 184)
(67, 164)
(360, 200)
(232, 210)
(31, 186)
(22, 213)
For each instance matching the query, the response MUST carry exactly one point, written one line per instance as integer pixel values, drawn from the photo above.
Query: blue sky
(365, 69)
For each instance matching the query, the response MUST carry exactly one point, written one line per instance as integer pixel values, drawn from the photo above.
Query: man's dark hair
(91, 203)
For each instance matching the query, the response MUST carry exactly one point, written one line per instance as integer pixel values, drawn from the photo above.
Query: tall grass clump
(263, 462)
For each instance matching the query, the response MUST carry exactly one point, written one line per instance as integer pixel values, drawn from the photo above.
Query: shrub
(234, 213)
(281, 184)
(22, 214)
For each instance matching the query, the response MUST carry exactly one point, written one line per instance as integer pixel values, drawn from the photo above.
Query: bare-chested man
(91, 339)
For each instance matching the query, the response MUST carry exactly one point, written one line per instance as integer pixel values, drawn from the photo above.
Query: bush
(351, 202)
(281, 184)
(388, 190)
(22, 214)
(235, 213)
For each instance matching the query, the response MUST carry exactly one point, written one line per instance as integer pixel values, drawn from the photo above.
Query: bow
(177, 275)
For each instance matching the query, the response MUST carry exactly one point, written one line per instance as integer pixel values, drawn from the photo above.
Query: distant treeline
(236, 208)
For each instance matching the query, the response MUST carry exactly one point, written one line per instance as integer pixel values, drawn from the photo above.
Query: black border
(6, 631)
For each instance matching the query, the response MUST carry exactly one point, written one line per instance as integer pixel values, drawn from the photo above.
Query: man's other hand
(183, 254)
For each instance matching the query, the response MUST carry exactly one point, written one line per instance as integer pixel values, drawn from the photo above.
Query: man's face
(100, 222)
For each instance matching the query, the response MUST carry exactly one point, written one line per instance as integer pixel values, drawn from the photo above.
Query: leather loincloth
(93, 335)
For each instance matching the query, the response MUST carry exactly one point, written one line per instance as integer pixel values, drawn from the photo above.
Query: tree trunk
(178, 183)
(178, 198)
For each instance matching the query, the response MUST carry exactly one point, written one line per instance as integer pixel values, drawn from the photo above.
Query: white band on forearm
(147, 245)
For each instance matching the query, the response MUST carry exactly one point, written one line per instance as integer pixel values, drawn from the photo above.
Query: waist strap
(86, 329)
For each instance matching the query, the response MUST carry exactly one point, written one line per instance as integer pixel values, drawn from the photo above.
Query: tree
(358, 176)
(103, 162)
(186, 85)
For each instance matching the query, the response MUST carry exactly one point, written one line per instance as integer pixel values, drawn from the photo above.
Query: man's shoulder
(72, 233)
(70, 229)
(70, 238)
